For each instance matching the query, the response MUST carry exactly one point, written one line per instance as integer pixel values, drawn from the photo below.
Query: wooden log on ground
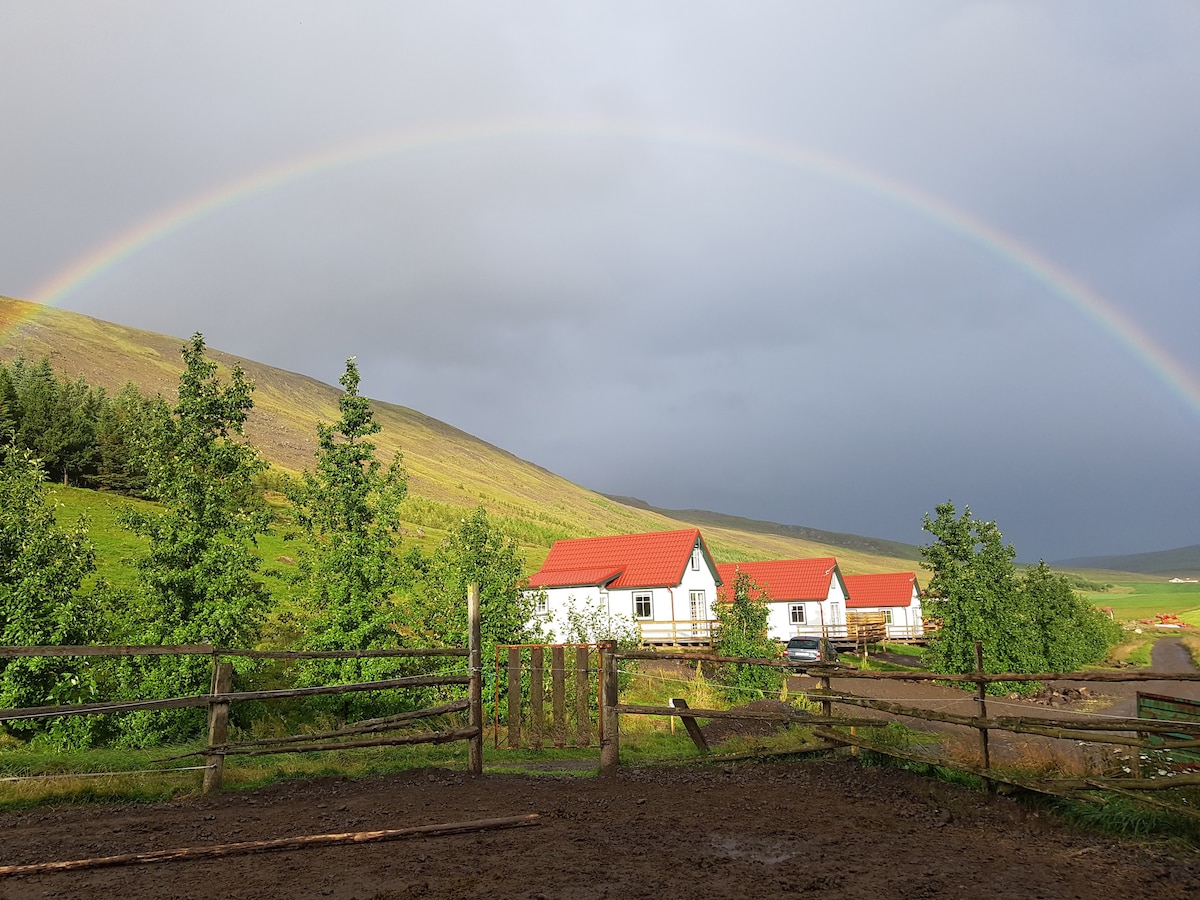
(293, 843)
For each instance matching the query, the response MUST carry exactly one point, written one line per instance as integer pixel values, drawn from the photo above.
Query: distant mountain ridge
(1183, 562)
(896, 549)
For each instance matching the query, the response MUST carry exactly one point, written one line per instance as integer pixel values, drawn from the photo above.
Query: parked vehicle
(810, 650)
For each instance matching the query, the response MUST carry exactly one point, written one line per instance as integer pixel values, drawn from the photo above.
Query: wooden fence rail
(1143, 734)
(220, 697)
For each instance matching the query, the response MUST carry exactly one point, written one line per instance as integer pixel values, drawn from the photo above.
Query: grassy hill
(449, 470)
(1183, 562)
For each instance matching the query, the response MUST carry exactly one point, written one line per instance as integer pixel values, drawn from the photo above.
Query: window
(699, 607)
(696, 555)
(643, 606)
(541, 605)
(887, 616)
(797, 614)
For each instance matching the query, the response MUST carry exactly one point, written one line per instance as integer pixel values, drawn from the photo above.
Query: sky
(825, 264)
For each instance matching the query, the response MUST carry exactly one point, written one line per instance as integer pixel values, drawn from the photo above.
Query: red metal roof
(656, 559)
(892, 589)
(783, 579)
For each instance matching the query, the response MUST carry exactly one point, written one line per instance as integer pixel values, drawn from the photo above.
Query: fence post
(514, 697)
(583, 715)
(537, 696)
(984, 754)
(218, 725)
(558, 693)
(475, 689)
(610, 726)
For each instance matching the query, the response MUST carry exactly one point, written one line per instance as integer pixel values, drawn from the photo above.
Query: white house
(807, 596)
(897, 595)
(665, 581)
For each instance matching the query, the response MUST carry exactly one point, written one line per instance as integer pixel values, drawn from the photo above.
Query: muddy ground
(825, 827)
(829, 828)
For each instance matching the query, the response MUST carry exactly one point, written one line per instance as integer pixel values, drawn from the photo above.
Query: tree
(974, 592)
(477, 552)
(350, 570)
(1071, 632)
(10, 413)
(742, 631)
(119, 422)
(42, 565)
(199, 573)
(1034, 623)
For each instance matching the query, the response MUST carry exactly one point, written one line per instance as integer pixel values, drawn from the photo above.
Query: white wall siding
(668, 604)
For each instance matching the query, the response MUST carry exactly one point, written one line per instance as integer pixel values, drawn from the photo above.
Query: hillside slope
(444, 464)
(1183, 562)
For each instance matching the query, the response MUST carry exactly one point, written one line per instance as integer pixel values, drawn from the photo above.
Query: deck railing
(679, 633)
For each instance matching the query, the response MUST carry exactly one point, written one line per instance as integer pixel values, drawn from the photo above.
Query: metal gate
(536, 715)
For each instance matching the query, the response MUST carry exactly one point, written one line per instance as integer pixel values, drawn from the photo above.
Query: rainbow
(1059, 282)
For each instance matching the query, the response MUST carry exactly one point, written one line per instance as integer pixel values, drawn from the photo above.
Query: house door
(699, 611)
(836, 622)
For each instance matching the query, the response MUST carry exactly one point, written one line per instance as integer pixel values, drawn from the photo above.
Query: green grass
(29, 776)
(1125, 818)
(1143, 599)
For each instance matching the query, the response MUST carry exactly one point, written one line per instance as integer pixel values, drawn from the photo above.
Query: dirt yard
(735, 830)
(830, 828)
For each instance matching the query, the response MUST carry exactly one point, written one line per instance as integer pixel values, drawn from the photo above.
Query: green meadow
(1146, 597)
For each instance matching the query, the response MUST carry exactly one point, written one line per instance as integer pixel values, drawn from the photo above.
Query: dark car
(811, 650)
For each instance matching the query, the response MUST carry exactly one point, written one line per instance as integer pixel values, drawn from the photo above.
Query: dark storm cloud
(672, 319)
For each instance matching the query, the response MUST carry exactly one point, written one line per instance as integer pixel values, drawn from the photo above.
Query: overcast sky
(794, 261)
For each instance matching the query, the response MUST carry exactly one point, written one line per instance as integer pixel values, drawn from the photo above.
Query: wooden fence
(529, 721)
(220, 697)
(840, 729)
